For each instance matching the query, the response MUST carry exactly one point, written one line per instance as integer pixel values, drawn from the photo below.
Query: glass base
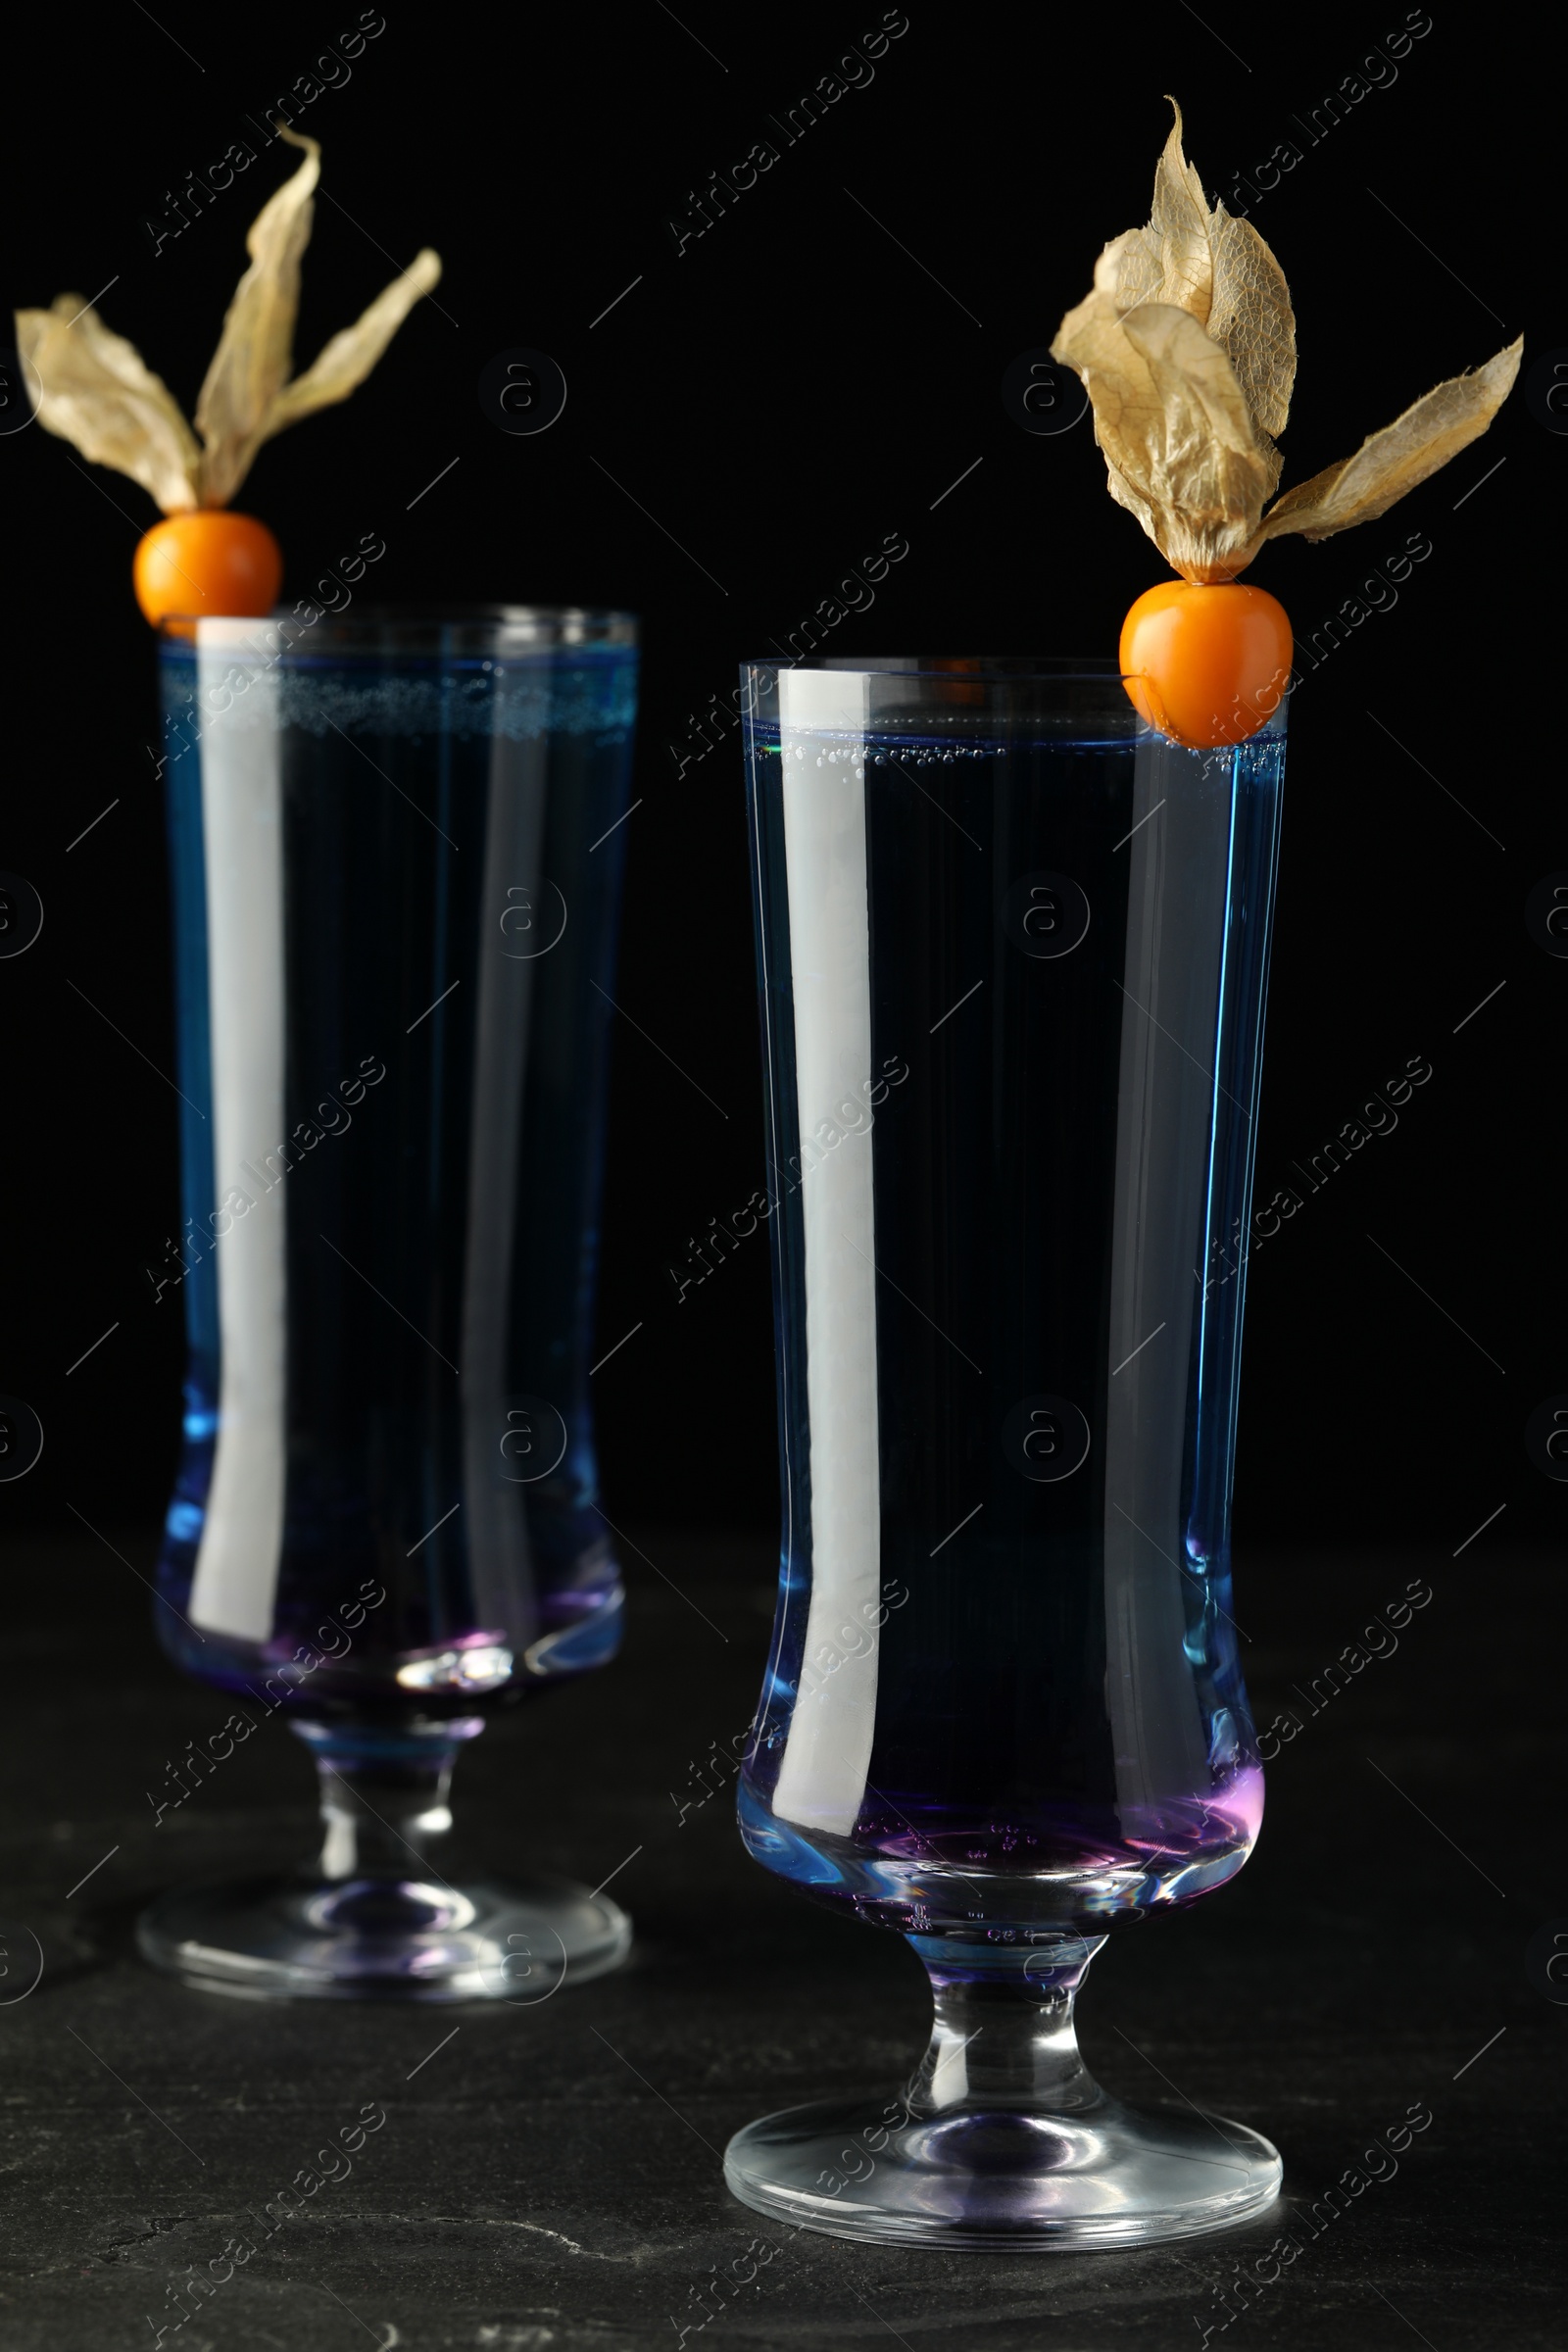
(998, 2181)
(384, 1938)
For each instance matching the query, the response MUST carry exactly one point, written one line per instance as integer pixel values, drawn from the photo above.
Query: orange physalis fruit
(1208, 665)
(208, 561)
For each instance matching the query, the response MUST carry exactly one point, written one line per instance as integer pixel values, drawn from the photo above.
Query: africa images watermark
(733, 2277)
(201, 2285)
(1381, 1638)
(1378, 592)
(1379, 1115)
(706, 206)
(221, 694)
(285, 1685)
(855, 593)
(855, 1638)
(1375, 71)
(276, 1165)
(199, 194)
(853, 1115)
(1381, 2162)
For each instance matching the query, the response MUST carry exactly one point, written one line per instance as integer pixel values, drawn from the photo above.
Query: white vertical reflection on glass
(828, 1748)
(515, 918)
(1176, 913)
(235, 1581)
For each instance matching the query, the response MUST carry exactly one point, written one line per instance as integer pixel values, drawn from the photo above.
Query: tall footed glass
(1013, 952)
(397, 871)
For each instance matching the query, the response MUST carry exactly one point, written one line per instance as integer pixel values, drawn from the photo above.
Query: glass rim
(959, 695)
(413, 628)
(1059, 669)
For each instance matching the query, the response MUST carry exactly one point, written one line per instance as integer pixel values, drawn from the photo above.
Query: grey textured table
(551, 2176)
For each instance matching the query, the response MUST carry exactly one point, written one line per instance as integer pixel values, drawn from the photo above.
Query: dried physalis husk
(99, 395)
(1186, 348)
(1389, 464)
(96, 393)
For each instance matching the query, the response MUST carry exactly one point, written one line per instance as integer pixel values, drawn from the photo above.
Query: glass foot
(384, 1938)
(983, 2179)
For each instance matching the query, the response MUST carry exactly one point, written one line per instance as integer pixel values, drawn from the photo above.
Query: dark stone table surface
(551, 2176)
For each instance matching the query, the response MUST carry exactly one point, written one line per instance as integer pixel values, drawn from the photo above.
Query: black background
(781, 394)
(790, 389)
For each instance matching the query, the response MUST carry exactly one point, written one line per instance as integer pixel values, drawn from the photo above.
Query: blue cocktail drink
(396, 875)
(1013, 952)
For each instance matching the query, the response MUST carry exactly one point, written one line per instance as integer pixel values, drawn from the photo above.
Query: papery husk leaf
(1169, 260)
(1186, 412)
(1129, 272)
(255, 350)
(347, 359)
(1198, 384)
(1250, 317)
(1219, 269)
(97, 392)
(1171, 420)
(1178, 229)
(1389, 464)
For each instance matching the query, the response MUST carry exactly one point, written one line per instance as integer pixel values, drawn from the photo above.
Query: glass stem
(1003, 2036)
(383, 1792)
